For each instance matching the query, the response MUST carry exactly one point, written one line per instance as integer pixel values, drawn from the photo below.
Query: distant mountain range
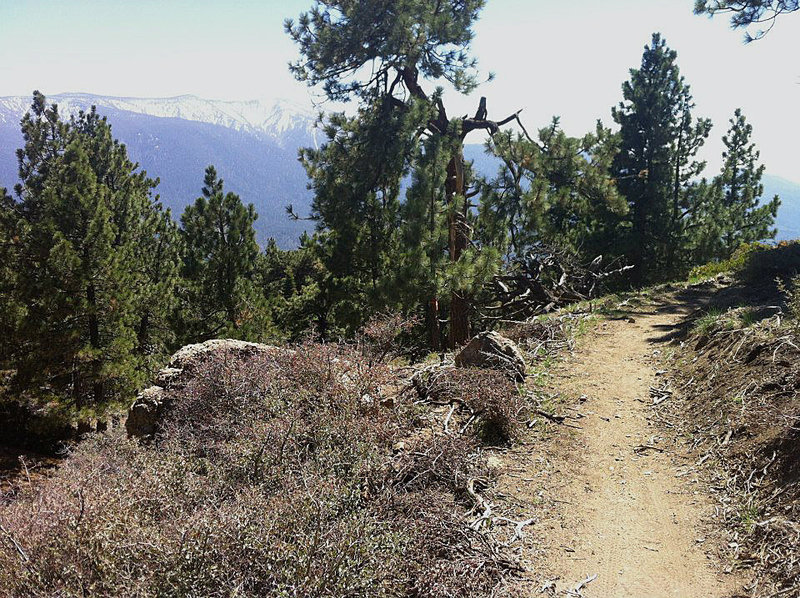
(253, 145)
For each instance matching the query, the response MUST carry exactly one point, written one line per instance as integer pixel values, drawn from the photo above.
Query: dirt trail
(621, 512)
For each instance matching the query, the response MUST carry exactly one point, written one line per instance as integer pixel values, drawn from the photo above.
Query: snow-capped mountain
(253, 144)
(276, 119)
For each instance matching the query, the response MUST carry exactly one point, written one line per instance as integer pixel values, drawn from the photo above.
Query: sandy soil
(608, 507)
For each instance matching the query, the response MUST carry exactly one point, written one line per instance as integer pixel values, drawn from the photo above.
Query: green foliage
(733, 265)
(731, 216)
(557, 191)
(380, 53)
(220, 256)
(338, 38)
(748, 12)
(357, 207)
(708, 322)
(656, 168)
(11, 311)
(85, 228)
(292, 283)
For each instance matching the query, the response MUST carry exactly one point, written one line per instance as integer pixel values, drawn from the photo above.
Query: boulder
(188, 358)
(145, 413)
(494, 351)
(150, 405)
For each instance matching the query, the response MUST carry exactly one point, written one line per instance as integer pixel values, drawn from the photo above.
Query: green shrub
(736, 263)
(706, 323)
(768, 263)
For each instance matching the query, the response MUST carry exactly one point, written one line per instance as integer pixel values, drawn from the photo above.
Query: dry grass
(739, 409)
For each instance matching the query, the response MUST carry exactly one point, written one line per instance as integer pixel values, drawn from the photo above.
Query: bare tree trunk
(98, 389)
(459, 241)
(434, 335)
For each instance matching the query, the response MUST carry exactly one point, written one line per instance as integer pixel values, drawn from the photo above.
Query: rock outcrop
(493, 350)
(152, 403)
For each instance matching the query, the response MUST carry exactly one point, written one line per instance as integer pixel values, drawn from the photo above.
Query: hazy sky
(550, 57)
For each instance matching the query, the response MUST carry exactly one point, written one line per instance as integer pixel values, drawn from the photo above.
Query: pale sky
(550, 57)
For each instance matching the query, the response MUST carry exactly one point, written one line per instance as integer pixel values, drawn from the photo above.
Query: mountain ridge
(253, 144)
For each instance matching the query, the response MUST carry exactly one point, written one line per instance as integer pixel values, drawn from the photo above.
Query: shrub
(769, 263)
(733, 265)
(492, 399)
(381, 336)
(283, 475)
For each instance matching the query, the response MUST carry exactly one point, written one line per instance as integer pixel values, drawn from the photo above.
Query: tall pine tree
(733, 213)
(219, 263)
(403, 45)
(656, 168)
(85, 218)
(745, 220)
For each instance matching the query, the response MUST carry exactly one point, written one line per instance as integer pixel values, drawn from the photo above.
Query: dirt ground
(613, 514)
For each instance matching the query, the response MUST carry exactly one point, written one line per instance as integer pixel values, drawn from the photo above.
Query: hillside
(648, 438)
(254, 146)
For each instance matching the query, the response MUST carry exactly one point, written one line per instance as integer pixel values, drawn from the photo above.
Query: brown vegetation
(738, 378)
(290, 474)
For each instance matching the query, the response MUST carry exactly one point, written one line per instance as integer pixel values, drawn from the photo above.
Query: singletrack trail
(620, 507)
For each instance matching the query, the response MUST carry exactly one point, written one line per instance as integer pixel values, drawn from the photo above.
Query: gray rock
(190, 357)
(145, 413)
(151, 404)
(168, 376)
(494, 351)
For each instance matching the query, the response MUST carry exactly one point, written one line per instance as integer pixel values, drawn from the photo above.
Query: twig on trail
(487, 514)
(480, 504)
(469, 422)
(659, 395)
(447, 419)
(645, 447)
(577, 590)
(784, 591)
(559, 419)
(518, 526)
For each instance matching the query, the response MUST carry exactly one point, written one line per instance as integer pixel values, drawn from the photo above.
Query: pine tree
(292, 285)
(656, 168)
(86, 221)
(555, 190)
(219, 263)
(11, 310)
(734, 209)
(740, 179)
(356, 181)
(403, 44)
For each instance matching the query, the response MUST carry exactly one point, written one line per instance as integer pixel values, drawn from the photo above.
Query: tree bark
(434, 334)
(98, 389)
(459, 241)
